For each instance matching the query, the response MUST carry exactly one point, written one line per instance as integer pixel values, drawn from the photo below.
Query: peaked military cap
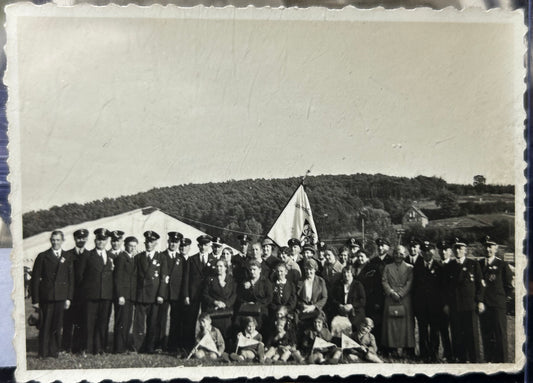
(151, 236)
(217, 242)
(443, 245)
(174, 236)
(294, 241)
(488, 241)
(101, 233)
(186, 242)
(321, 246)
(309, 248)
(382, 241)
(116, 235)
(81, 233)
(243, 238)
(203, 239)
(284, 250)
(426, 246)
(414, 241)
(354, 242)
(459, 243)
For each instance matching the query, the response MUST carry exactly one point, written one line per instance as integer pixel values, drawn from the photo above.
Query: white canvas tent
(134, 222)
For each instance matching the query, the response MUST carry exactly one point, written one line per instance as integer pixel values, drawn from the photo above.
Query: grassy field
(69, 361)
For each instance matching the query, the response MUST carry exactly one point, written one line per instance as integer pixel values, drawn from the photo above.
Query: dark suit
(498, 279)
(96, 285)
(428, 306)
(196, 273)
(466, 292)
(125, 284)
(370, 276)
(52, 285)
(73, 318)
(356, 297)
(150, 285)
(419, 260)
(444, 322)
(173, 299)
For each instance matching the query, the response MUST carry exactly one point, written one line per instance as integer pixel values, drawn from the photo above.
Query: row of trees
(252, 206)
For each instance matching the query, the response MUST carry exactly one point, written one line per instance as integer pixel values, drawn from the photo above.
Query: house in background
(414, 216)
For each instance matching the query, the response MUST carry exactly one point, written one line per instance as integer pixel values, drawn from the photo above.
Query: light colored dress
(398, 331)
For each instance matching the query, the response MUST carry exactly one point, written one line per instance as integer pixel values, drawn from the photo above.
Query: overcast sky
(111, 107)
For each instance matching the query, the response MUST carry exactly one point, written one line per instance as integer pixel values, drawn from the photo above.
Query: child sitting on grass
(324, 350)
(281, 344)
(204, 347)
(249, 343)
(365, 338)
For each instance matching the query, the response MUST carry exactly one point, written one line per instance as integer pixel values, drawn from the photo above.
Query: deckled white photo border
(449, 15)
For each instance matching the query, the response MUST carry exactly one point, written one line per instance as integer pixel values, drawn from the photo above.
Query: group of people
(301, 302)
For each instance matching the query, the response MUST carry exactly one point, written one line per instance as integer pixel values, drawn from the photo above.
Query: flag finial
(306, 174)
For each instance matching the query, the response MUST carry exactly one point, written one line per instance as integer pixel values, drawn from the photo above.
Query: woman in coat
(348, 298)
(398, 321)
(219, 297)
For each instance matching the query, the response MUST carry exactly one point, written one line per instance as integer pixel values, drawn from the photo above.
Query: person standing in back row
(151, 271)
(52, 292)
(498, 279)
(465, 304)
(95, 273)
(125, 281)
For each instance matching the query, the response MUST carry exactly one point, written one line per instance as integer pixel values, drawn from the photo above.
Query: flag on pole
(295, 221)
(347, 342)
(320, 343)
(207, 343)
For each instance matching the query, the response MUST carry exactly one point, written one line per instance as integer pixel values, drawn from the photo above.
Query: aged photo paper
(265, 192)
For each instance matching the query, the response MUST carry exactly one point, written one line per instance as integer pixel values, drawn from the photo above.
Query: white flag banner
(208, 343)
(320, 344)
(246, 342)
(347, 342)
(295, 221)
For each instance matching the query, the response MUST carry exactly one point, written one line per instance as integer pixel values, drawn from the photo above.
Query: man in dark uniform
(95, 273)
(173, 298)
(354, 245)
(465, 303)
(447, 263)
(296, 249)
(185, 247)
(240, 261)
(116, 243)
(415, 256)
(498, 279)
(371, 277)
(216, 246)
(198, 269)
(427, 302)
(73, 318)
(52, 292)
(125, 282)
(151, 288)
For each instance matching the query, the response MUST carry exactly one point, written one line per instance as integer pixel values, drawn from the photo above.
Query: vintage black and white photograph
(265, 192)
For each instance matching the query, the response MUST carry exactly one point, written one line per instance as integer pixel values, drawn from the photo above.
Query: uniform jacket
(76, 261)
(428, 289)
(498, 279)
(150, 277)
(96, 278)
(195, 277)
(356, 297)
(419, 260)
(319, 294)
(466, 285)
(370, 277)
(213, 291)
(52, 277)
(175, 277)
(447, 270)
(125, 277)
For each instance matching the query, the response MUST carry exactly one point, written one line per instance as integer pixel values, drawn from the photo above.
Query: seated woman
(254, 295)
(348, 298)
(322, 350)
(219, 296)
(205, 348)
(312, 294)
(249, 343)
